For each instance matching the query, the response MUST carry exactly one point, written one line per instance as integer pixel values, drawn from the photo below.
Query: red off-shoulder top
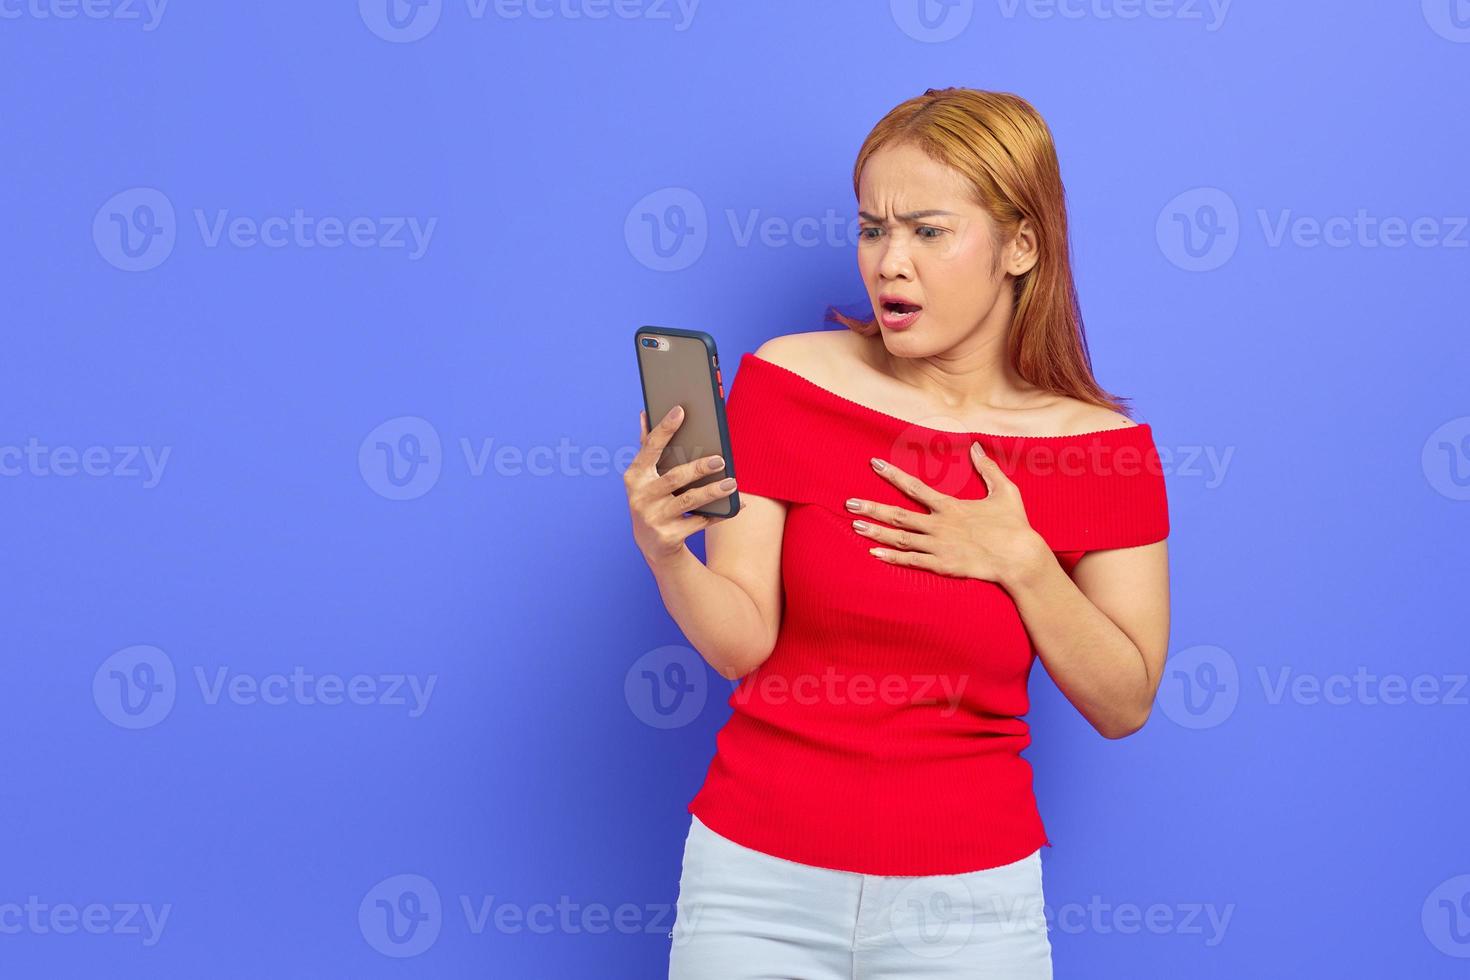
(884, 733)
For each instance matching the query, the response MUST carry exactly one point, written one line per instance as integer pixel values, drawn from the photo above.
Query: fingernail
(716, 462)
(878, 464)
(977, 448)
(852, 503)
(727, 484)
(677, 411)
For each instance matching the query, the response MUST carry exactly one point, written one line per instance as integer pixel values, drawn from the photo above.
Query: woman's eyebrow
(909, 216)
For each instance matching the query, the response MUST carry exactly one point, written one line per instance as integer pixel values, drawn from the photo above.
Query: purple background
(1326, 539)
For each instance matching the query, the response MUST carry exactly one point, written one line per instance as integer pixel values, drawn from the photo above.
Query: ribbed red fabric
(884, 733)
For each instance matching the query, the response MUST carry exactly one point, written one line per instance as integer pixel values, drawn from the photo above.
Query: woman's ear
(1021, 251)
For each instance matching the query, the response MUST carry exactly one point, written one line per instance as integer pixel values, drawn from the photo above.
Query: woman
(930, 501)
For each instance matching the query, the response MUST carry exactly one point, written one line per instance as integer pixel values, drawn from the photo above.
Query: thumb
(988, 469)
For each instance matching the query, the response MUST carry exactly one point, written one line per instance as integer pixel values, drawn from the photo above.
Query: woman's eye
(924, 228)
(863, 233)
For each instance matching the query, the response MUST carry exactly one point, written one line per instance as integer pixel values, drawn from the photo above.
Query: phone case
(688, 374)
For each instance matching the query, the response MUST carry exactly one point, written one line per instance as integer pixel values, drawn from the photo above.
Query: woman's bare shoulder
(1086, 417)
(817, 355)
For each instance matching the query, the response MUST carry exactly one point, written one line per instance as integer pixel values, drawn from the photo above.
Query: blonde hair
(1002, 146)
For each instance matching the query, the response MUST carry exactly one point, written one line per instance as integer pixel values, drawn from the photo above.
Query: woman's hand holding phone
(659, 525)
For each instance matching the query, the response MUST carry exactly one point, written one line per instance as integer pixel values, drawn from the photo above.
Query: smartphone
(682, 367)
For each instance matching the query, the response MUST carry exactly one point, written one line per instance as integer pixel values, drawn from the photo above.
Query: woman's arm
(731, 610)
(1103, 632)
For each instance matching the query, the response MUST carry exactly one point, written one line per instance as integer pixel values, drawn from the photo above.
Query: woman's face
(927, 254)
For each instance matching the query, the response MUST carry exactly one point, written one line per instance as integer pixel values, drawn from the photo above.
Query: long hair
(1002, 146)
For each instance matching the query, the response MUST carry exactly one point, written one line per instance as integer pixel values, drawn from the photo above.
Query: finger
(891, 514)
(658, 438)
(686, 473)
(989, 470)
(902, 540)
(911, 485)
(909, 559)
(694, 523)
(642, 425)
(696, 498)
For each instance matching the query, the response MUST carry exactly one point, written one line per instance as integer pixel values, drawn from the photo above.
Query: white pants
(747, 915)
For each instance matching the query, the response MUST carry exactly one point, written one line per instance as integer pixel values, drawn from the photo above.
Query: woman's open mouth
(897, 314)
